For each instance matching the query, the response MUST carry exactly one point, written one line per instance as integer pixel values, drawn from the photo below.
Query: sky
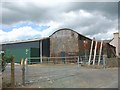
(30, 19)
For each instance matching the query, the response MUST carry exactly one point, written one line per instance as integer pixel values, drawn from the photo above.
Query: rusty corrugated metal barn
(68, 42)
(62, 43)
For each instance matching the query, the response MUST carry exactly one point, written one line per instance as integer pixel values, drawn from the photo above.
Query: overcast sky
(27, 20)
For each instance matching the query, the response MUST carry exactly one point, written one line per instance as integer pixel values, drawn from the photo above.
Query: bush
(5, 60)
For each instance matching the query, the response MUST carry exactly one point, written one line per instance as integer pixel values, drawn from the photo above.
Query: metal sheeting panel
(18, 53)
(32, 48)
(63, 41)
(46, 47)
(31, 44)
(35, 52)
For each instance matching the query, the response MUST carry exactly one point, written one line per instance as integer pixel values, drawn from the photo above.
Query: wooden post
(95, 53)
(12, 72)
(23, 72)
(104, 61)
(26, 69)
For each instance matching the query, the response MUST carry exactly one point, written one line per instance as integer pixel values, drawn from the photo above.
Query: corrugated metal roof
(70, 30)
(107, 41)
(20, 41)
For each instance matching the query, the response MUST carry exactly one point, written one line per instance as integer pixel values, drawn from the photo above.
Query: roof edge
(22, 41)
(70, 30)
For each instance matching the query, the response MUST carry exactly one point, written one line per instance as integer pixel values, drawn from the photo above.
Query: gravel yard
(0, 81)
(63, 76)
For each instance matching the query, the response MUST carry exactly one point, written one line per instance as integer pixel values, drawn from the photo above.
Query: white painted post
(100, 52)
(90, 51)
(41, 51)
(95, 53)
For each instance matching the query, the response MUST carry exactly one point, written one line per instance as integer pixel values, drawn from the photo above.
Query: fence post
(23, 72)
(104, 59)
(100, 52)
(12, 72)
(26, 69)
(78, 61)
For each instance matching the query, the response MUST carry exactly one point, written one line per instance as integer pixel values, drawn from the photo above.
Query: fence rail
(70, 59)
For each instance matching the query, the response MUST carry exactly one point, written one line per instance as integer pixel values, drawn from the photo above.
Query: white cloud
(94, 20)
(89, 23)
(53, 27)
(60, 1)
(105, 36)
(18, 33)
(27, 32)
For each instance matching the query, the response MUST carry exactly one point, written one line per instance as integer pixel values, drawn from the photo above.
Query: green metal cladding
(19, 53)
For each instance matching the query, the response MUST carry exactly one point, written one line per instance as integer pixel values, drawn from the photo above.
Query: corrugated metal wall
(30, 44)
(46, 47)
(63, 41)
(18, 50)
(18, 53)
(84, 45)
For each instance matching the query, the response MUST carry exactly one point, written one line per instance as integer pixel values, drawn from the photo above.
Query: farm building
(27, 49)
(116, 42)
(69, 42)
(62, 43)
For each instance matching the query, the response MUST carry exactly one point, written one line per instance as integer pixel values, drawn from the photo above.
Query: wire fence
(45, 72)
(53, 60)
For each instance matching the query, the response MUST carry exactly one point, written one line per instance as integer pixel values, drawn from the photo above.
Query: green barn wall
(19, 53)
